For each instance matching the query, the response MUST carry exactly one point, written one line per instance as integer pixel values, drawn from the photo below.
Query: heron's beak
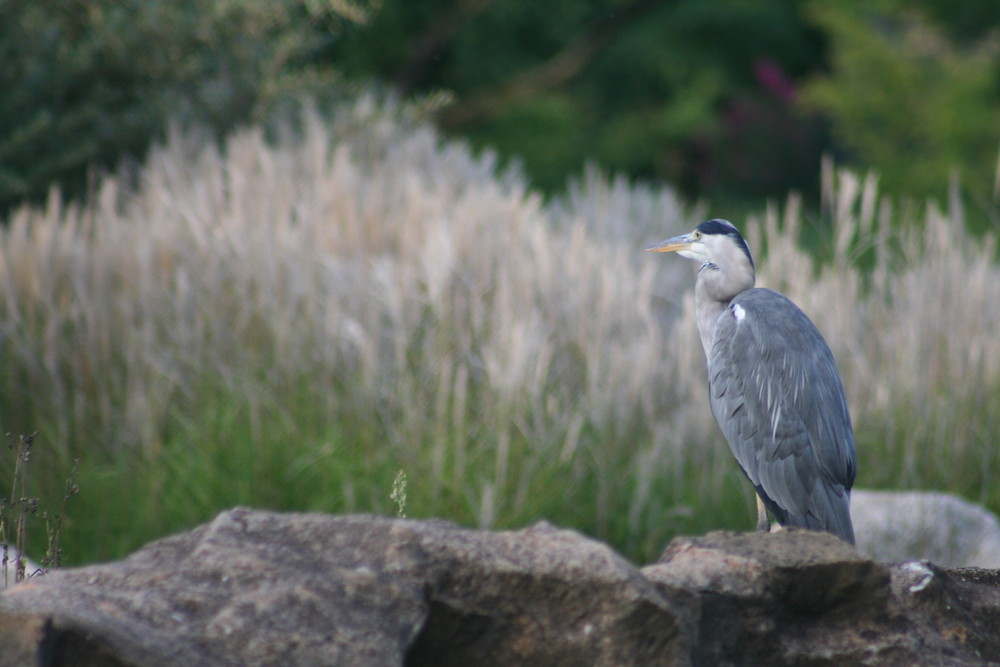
(673, 244)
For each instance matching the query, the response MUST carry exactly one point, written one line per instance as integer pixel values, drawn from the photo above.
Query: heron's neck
(713, 291)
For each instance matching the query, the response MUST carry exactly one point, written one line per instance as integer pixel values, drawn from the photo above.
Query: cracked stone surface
(264, 588)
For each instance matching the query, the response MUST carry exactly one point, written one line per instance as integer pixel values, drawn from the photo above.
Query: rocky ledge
(261, 588)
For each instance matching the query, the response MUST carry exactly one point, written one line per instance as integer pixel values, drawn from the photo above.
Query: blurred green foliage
(909, 101)
(660, 90)
(90, 83)
(733, 100)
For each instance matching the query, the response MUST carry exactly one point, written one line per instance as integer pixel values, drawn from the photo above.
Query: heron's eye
(696, 236)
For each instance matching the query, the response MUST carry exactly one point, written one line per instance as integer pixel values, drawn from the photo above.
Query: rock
(25, 639)
(945, 529)
(256, 588)
(797, 597)
(804, 570)
(260, 588)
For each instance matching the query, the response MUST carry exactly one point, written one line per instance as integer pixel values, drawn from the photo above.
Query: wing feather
(776, 393)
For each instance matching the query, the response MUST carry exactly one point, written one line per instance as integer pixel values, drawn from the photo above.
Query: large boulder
(260, 588)
(803, 598)
(897, 526)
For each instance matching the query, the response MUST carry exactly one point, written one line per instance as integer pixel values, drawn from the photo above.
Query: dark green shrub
(638, 86)
(910, 102)
(88, 84)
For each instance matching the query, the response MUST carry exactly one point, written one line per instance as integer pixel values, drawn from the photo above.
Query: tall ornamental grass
(288, 324)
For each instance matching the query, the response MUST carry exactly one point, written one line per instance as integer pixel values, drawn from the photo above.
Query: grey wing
(776, 393)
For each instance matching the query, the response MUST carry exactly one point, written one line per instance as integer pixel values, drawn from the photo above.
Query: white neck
(713, 291)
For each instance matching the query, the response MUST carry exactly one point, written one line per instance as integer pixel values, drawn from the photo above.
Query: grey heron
(774, 387)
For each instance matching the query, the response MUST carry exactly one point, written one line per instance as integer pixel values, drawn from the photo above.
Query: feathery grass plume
(398, 494)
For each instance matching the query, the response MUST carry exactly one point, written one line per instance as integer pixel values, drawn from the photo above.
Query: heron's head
(716, 242)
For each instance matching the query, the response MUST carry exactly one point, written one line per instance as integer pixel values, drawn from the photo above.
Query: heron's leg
(763, 523)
